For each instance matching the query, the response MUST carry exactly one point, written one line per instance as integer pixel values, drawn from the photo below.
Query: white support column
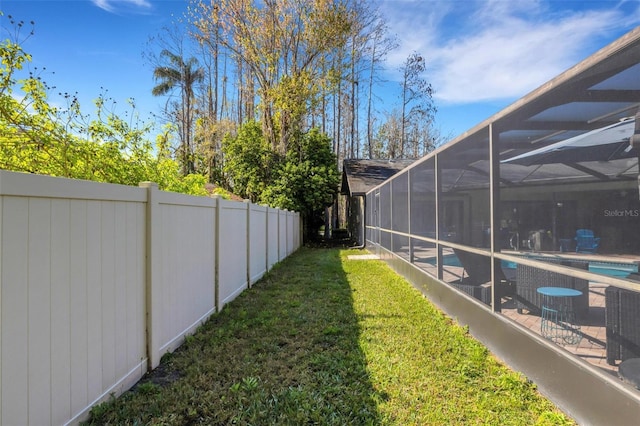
(438, 197)
(266, 240)
(411, 257)
(216, 260)
(494, 212)
(247, 204)
(153, 269)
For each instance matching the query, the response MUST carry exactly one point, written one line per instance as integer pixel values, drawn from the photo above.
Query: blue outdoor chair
(586, 242)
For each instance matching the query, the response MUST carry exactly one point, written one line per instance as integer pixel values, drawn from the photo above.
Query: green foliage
(306, 187)
(37, 137)
(305, 180)
(308, 181)
(27, 130)
(249, 161)
(222, 193)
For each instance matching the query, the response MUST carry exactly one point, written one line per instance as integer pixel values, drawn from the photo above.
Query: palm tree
(184, 75)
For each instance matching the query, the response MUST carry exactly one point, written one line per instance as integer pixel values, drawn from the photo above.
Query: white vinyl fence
(98, 281)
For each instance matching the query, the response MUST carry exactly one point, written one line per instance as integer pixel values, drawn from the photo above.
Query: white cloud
(497, 49)
(110, 5)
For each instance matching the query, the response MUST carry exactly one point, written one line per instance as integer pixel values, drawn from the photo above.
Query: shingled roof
(359, 176)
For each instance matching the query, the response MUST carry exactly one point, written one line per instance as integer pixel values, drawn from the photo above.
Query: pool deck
(592, 347)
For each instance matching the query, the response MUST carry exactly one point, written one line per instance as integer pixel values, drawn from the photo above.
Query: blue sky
(481, 55)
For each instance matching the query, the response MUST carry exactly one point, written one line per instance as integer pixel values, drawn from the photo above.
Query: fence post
(216, 260)
(279, 253)
(266, 239)
(248, 236)
(287, 219)
(152, 269)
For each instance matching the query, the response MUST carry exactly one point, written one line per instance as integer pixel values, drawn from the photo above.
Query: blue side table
(558, 317)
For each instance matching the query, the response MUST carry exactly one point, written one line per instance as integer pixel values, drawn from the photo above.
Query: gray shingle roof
(359, 176)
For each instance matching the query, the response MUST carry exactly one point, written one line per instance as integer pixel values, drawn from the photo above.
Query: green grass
(330, 341)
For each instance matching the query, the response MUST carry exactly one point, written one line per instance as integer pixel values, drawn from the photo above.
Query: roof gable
(359, 176)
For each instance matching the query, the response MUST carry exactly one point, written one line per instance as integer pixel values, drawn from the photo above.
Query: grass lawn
(330, 341)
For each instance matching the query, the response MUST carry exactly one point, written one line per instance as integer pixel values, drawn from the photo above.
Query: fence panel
(97, 281)
(72, 292)
(282, 234)
(290, 246)
(273, 223)
(187, 277)
(233, 273)
(295, 231)
(258, 242)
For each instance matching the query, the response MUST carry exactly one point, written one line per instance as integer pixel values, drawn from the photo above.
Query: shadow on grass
(331, 341)
(285, 352)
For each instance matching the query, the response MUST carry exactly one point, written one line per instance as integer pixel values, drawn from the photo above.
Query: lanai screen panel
(464, 205)
(369, 216)
(423, 199)
(400, 213)
(385, 216)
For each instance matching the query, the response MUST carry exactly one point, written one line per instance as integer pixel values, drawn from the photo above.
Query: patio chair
(478, 269)
(586, 242)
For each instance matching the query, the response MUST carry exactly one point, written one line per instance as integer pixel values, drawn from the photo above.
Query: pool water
(613, 269)
(508, 264)
(447, 260)
(621, 270)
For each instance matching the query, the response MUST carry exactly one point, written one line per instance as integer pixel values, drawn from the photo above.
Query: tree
(184, 75)
(249, 161)
(417, 96)
(308, 180)
(283, 43)
(378, 47)
(305, 180)
(207, 131)
(390, 136)
(367, 46)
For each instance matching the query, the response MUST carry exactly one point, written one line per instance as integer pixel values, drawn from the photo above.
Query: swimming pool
(447, 260)
(621, 270)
